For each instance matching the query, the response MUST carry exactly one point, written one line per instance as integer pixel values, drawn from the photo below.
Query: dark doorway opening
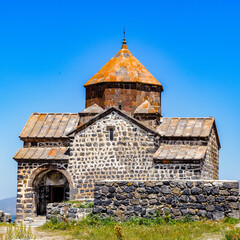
(51, 186)
(57, 194)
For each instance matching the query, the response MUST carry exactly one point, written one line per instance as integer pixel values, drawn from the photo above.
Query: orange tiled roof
(123, 67)
(37, 153)
(180, 152)
(49, 125)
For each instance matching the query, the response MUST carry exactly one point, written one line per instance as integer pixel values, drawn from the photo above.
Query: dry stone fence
(211, 199)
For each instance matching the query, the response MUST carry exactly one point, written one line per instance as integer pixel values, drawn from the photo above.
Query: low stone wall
(69, 211)
(5, 217)
(211, 199)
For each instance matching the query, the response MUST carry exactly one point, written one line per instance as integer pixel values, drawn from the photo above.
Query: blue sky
(49, 49)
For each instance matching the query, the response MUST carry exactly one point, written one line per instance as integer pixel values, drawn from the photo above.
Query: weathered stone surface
(178, 198)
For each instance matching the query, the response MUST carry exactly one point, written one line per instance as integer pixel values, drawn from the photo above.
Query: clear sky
(49, 49)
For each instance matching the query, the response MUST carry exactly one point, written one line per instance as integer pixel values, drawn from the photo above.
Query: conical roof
(123, 67)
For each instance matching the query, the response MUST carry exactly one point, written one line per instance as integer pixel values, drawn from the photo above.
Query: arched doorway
(50, 186)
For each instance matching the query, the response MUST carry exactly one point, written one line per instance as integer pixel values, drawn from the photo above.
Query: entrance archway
(50, 186)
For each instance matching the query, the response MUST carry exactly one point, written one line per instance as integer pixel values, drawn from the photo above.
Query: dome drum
(125, 96)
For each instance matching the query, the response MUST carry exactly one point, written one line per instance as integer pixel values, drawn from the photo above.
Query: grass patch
(137, 228)
(80, 204)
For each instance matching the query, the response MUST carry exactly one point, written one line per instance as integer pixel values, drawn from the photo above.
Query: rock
(186, 191)
(234, 214)
(234, 205)
(176, 190)
(196, 190)
(215, 190)
(166, 190)
(201, 198)
(217, 216)
(183, 198)
(232, 199)
(210, 208)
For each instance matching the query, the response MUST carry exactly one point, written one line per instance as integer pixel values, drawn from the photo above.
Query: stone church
(120, 135)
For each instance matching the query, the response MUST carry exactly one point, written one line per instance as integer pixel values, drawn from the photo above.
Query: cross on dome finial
(124, 43)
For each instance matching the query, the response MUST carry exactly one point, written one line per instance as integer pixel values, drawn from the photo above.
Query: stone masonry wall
(94, 157)
(26, 201)
(212, 199)
(63, 211)
(209, 167)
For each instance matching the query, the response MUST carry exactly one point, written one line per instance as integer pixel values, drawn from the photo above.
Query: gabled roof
(49, 125)
(105, 113)
(180, 152)
(187, 127)
(146, 108)
(93, 109)
(123, 67)
(38, 153)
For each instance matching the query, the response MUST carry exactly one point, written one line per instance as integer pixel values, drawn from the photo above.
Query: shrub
(233, 234)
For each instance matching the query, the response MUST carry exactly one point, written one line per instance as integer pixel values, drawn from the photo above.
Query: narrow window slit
(111, 134)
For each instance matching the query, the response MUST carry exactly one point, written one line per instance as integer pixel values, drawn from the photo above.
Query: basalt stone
(125, 202)
(186, 192)
(97, 202)
(152, 201)
(217, 216)
(176, 212)
(192, 198)
(72, 210)
(166, 190)
(207, 190)
(173, 184)
(190, 184)
(215, 190)
(141, 190)
(183, 198)
(176, 190)
(191, 211)
(107, 203)
(196, 190)
(105, 189)
(211, 199)
(232, 199)
(181, 185)
(199, 184)
(234, 192)
(144, 202)
(219, 208)
(209, 215)
(97, 210)
(120, 197)
(224, 192)
(112, 189)
(97, 195)
(231, 185)
(210, 208)
(129, 189)
(220, 199)
(134, 201)
(202, 213)
(149, 190)
(117, 203)
(234, 205)
(234, 214)
(110, 195)
(156, 190)
(201, 198)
